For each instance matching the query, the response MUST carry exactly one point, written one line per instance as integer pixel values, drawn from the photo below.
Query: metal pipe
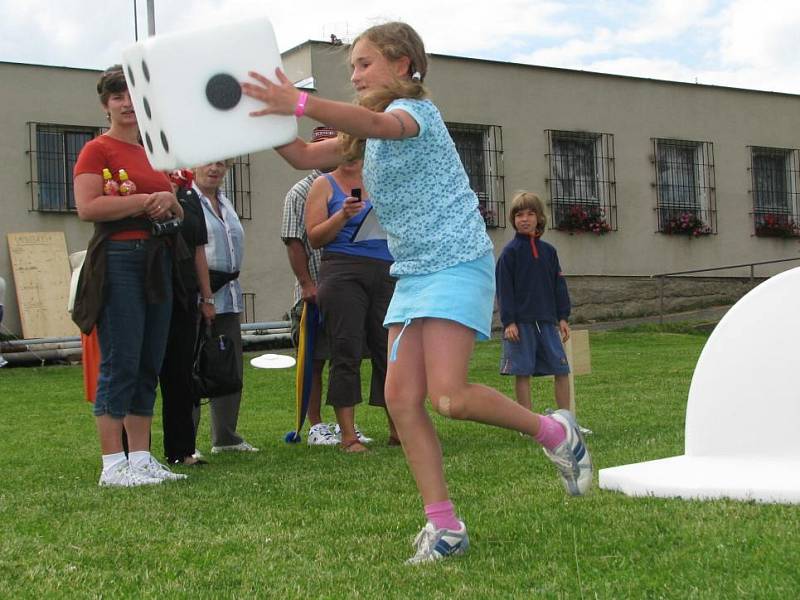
(37, 341)
(31, 358)
(266, 325)
(40, 347)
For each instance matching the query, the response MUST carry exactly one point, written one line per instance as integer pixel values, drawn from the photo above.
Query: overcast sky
(741, 43)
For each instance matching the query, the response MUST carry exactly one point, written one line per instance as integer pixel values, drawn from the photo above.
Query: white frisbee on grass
(273, 361)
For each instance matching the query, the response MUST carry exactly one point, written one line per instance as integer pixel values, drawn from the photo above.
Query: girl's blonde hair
(528, 201)
(394, 41)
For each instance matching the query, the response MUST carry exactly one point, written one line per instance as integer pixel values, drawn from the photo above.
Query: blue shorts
(538, 352)
(463, 293)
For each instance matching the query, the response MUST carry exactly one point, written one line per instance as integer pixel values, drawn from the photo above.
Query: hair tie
(417, 76)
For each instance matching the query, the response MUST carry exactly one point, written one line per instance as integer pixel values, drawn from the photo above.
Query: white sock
(112, 460)
(139, 458)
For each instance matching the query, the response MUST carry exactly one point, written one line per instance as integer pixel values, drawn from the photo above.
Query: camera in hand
(356, 193)
(167, 227)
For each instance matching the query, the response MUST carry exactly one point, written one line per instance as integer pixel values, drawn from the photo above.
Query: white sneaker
(571, 457)
(240, 447)
(361, 437)
(155, 470)
(122, 475)
(434, 544)
(321, 435)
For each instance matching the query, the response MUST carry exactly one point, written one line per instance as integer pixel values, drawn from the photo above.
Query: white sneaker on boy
(321, 435)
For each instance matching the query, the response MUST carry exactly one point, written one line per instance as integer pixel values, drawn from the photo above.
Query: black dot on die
(131, 77)
(149, 142)
(146, 107)
(164, 142)
(146, 71)
(223, 91)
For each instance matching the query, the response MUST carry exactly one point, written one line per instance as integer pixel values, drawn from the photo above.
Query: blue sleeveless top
(341, 244)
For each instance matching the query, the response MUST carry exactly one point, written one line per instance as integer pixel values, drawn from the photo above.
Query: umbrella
(309, 324)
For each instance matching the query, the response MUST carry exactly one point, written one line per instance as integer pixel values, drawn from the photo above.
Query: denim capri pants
(463, 293)
(131, 332)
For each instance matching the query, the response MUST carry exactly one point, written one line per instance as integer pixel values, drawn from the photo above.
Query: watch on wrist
(207, 300)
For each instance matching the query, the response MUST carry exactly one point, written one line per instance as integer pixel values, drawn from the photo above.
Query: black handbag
(215, 369)
(219, 278)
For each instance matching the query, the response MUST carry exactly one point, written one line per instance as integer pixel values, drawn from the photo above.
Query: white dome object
(743, 413)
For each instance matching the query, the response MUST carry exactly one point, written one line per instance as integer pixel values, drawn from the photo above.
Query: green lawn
(299, 522)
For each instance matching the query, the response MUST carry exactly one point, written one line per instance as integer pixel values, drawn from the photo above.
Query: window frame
(487, 156)
(57, 177)
(595, 211)
(772, 219)
(696, 214)
(237, 187)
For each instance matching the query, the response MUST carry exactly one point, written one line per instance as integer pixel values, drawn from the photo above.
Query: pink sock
(442, 515)
(551, 432)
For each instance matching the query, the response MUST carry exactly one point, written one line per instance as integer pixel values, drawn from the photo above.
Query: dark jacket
(530, 284)
(90, 295)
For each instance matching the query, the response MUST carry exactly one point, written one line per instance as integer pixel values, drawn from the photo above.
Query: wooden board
(41, 277)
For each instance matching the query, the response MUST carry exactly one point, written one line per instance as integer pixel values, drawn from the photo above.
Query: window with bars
(775, 174)
(685, 187)
(480, 148)
(582, 181)
(53, 151)
(236, 186)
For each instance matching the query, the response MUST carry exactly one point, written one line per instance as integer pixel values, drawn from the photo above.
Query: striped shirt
(224, 250)
(294, 227)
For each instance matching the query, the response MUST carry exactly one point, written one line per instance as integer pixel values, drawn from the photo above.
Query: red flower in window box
(580, 218)
(776, 225)
(687, 223)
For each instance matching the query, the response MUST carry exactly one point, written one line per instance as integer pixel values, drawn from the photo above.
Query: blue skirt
(462, 293)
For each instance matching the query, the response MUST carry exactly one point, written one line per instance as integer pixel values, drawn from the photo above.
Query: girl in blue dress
(443, 262)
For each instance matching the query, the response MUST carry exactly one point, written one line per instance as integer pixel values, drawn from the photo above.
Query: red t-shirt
(105, 152)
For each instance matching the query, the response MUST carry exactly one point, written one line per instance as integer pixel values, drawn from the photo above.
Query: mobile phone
(356, 193)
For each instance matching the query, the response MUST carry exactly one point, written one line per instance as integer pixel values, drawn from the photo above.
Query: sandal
(353, 445)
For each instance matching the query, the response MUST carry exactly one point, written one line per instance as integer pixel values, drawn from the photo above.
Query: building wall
(524, 101)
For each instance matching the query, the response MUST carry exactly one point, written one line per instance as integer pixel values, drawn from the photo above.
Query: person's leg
(380, 295)
(561, 390)
(405, 399)
(225, 409)
(448, 346)
(522, 391)
(177, 390)
(344, 302)
(109, 430)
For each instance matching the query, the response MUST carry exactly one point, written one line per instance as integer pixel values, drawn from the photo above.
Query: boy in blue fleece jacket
(534, 304)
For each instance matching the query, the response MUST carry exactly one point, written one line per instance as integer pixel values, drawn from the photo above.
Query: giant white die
(189, 105)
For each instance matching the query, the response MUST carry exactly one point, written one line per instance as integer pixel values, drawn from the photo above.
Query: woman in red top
(126, 285)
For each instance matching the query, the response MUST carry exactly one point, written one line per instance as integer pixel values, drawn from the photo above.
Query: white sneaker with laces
(321, 435)
(240, 447)
(123, 475)
(361, 437)
(155, 470)
(434, 544)
(571, 457)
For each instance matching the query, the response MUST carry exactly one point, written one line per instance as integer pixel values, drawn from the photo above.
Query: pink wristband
(300, 109)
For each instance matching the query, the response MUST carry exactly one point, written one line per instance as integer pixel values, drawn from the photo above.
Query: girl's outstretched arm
(281, 99)
(326, 154)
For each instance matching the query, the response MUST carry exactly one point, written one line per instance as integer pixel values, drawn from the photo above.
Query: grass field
(299, 522)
